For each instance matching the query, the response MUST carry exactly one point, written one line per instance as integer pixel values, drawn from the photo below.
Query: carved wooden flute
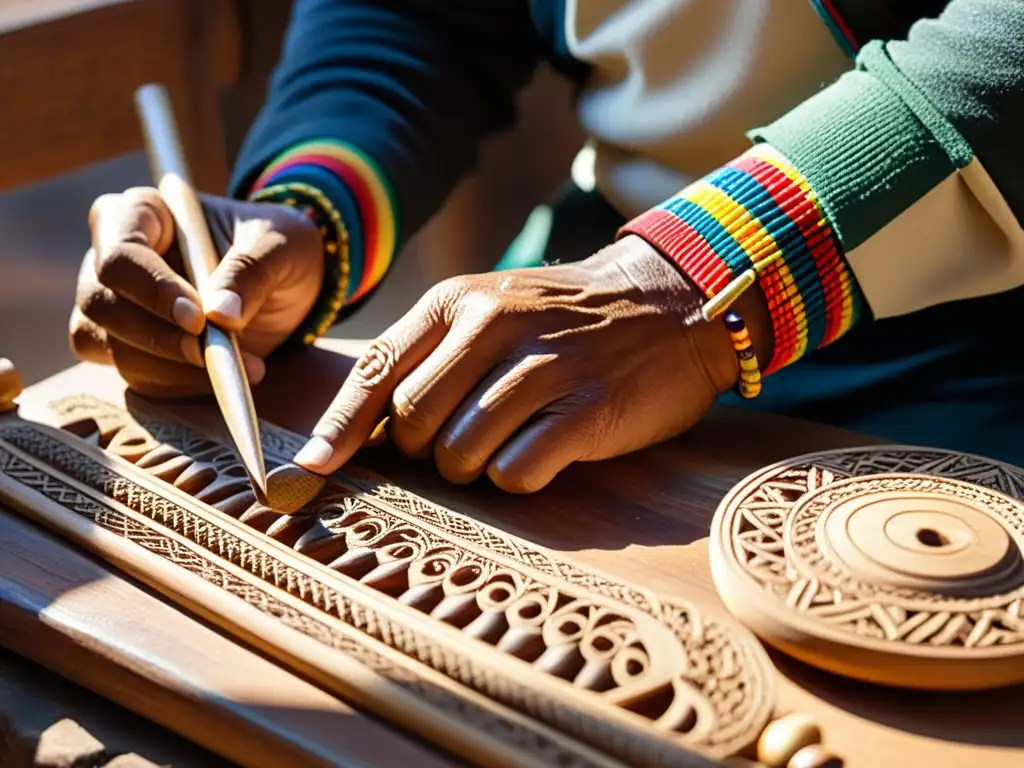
(220, 348)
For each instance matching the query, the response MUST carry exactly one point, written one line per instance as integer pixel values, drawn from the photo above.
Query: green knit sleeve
(911, 113)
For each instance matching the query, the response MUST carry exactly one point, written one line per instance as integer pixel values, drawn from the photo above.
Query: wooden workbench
(643, 518)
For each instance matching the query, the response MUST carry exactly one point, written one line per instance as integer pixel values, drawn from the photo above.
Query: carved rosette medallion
(557, 654)
(897, 565)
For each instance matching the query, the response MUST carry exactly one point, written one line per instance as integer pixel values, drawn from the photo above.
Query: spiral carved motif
(701, 683)
(898, 565)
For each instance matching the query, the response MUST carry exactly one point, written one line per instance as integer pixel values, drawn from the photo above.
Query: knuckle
(376, 364)
(511, 480)
(95, 301)
(105, 202)
(114, 266)
(452, 287)
(144, 200)
(484, 312)
(487, 312)
(410, 417)
(455, 458)
(336, 420)
(79, 333)
(508, 283)
(144, 195)
(84, 338)
(253, 269)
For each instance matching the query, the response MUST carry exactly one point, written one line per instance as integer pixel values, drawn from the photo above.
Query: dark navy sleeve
(412, 85)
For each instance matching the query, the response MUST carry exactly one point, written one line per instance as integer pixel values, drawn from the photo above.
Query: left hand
(520, 373)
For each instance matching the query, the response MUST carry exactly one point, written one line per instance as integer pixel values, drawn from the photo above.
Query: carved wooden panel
(895, 564)
(424, 615)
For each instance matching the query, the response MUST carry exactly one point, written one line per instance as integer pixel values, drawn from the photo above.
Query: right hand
(135, 310)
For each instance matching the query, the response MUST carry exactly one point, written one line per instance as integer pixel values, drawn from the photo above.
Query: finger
(137, 215)
(88, 341)
(132, 234)
(155, 376)
(425, 399)
(363, 399)
(532, 459)
(127, 322)
(260, 259)
(506, 400)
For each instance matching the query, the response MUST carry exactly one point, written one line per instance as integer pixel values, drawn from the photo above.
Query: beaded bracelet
(314, 204)
(749, 382)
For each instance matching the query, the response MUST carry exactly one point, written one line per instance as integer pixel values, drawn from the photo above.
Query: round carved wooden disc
(897, 565)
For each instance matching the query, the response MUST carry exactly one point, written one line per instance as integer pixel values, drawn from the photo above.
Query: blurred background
(68, 69)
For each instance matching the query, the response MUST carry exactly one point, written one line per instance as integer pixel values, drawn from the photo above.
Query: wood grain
(74, 616)
(644, 518)
(38, 707)
(583, 670)
(58, 119)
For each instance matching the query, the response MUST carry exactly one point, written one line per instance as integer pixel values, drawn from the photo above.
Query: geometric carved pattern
(895, 564)
(697, 684)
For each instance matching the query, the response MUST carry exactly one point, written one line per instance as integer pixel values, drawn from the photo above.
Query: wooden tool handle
(220, 348)
(170, 171)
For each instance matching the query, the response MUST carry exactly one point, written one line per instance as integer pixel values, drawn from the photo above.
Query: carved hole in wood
(932, 538)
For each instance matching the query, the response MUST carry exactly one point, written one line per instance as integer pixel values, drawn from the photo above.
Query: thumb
(253, 267)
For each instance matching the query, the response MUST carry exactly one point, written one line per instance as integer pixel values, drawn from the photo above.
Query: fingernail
(314, 454)
(187, 315)
(255, 369)
(190, 349)
(225, 303)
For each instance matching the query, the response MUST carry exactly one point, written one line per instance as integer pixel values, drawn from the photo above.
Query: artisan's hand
(135, 309)
(520, 373)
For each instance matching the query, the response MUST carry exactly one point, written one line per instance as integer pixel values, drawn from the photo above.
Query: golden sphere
(784, 737)
(814, 756)
(10, 384)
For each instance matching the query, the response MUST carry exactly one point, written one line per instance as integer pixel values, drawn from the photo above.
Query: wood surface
(644, 518)
(76, 617)
(420, 614)
(68, 69)
(47, 721)
(896, 565)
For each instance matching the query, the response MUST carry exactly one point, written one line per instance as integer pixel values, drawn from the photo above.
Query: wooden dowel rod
(199, 254)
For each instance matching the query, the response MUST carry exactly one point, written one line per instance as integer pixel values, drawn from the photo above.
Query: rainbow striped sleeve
(354, 185)
(759, 213)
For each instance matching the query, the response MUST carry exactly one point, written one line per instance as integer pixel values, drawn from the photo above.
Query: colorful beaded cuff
(749, 382)
(757, 220)
(359, 190)
(319, 209)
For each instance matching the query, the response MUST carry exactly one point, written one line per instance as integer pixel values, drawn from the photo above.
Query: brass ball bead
(784, 737)
(10, 384)
(814, 756)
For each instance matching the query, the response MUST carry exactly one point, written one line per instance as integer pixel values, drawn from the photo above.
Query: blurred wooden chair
(68, 69)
